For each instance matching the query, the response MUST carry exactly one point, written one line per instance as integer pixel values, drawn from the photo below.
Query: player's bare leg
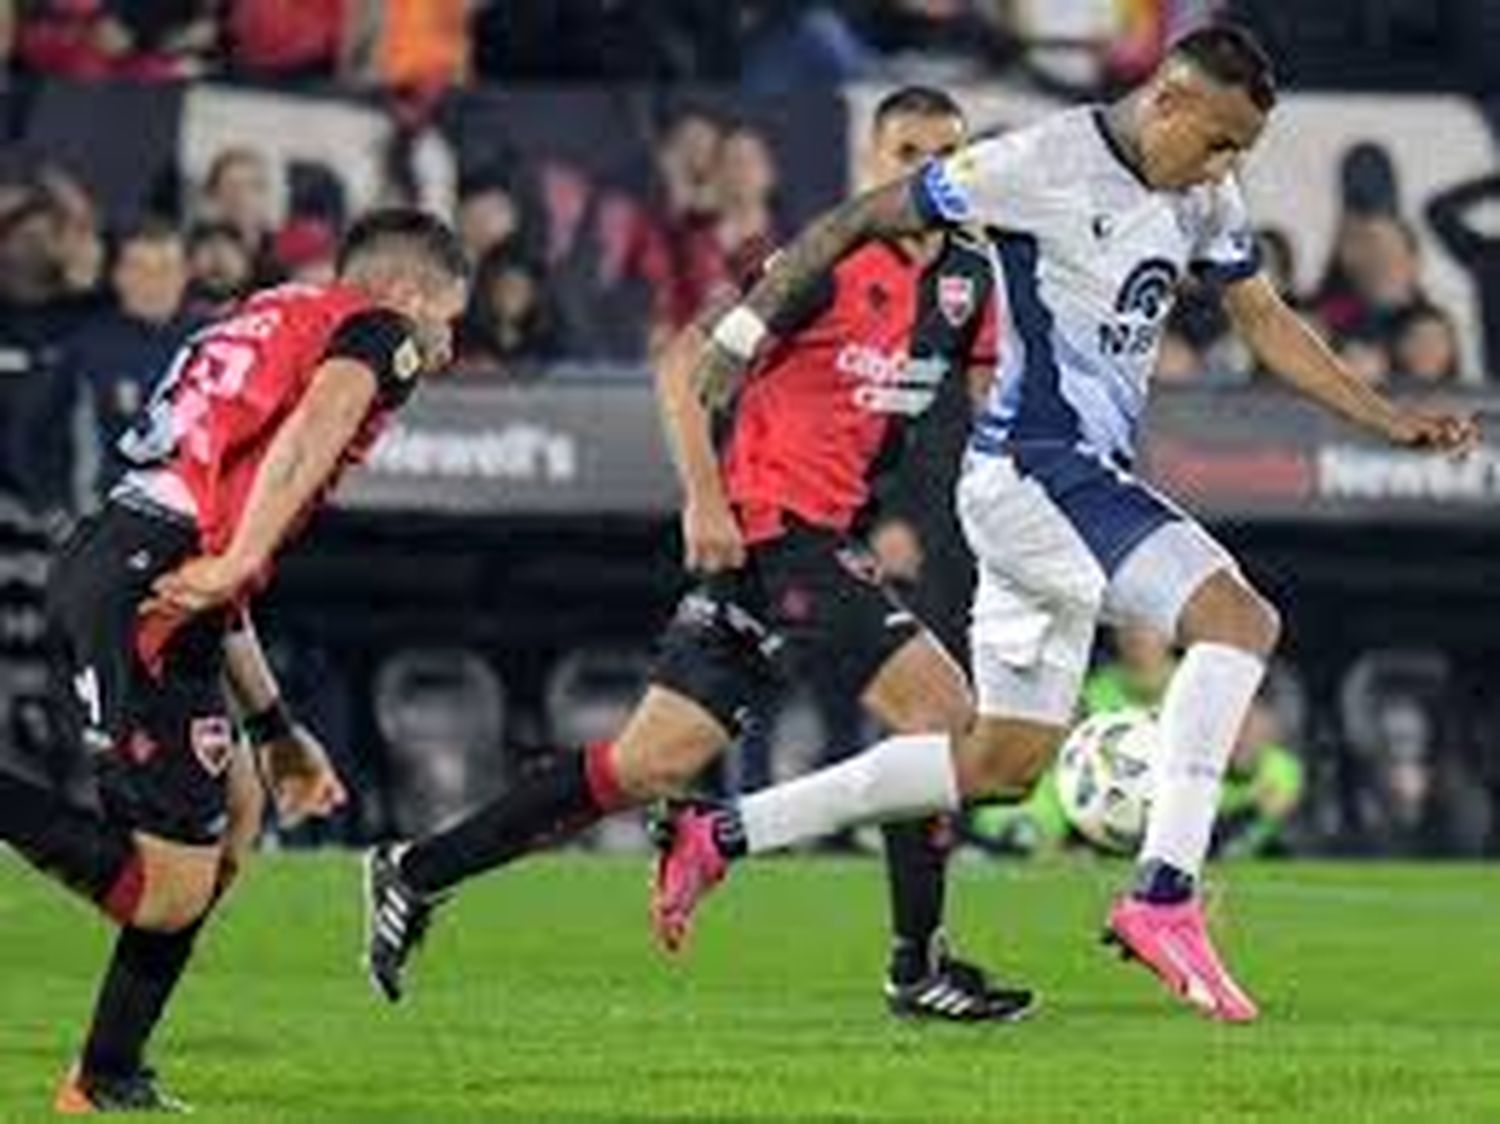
(667, 741)
(1228, 631)
(180, 886)
(919, 689)
(157, 891)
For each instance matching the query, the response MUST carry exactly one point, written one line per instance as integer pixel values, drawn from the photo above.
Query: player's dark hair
(919, 101)
(1231, 56)
(405, 230)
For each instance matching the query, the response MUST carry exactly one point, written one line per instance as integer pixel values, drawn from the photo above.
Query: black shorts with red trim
(146, 702)
(810, 601)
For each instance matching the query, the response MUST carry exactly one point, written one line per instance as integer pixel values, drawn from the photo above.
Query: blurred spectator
(1263, 788)
(512, 323)
(220, 267)
(1414, 799)
(284, 39)
(677, 250)
(38, 308)
(1375, 276)
(1364, 352)
(797, 45)
(1138, 675)
(1178, 363)
(305, 250)
(139, 40)
(489, 213)
(1279, 263)
(421, 46)
(237, 191)
(115, 357)
(1425, 354)
(746, 193)
(1466, 219)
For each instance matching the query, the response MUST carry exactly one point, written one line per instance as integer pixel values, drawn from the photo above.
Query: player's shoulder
(1056, 149)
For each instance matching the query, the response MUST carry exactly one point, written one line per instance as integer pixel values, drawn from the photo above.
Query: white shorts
(1063, 541)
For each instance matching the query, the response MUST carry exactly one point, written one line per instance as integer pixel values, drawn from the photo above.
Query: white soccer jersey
(1092, 258)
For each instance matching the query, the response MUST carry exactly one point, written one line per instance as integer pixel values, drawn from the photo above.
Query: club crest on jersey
(212, 740)
(407, 360)
(955, 298)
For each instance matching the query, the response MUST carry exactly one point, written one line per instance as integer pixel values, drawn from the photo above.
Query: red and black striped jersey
(823, 414)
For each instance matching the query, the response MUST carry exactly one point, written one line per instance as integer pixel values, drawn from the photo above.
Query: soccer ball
(1104, 778)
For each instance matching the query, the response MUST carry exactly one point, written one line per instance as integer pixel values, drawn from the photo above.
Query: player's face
(903, 142)
(1196, 133)
(433, 307)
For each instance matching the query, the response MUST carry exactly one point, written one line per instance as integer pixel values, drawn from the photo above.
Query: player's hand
(198, 585)
(712, 542)
(300, 777)
(1438, 430)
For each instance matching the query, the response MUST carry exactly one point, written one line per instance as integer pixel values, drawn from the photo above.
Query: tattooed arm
(885, 212)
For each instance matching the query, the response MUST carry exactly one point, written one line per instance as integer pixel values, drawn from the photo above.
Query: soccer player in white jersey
(1095, 214)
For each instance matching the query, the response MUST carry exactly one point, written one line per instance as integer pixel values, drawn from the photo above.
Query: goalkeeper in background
(1263, 786)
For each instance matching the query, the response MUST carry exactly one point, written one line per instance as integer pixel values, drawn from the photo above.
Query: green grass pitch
(539, 1000)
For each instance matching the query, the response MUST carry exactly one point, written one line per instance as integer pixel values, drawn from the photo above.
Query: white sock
(1201, 716)
(897, 778)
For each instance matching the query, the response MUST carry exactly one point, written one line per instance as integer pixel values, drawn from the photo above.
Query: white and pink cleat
(1173, 941)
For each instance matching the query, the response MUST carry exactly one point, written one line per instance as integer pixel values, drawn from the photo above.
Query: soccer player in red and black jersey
(148, 611)
(774, 529)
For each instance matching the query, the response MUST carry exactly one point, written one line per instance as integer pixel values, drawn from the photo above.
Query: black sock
(82, 849)
(916, 858)
(143, 973)
(555, 800)
(1162, 883)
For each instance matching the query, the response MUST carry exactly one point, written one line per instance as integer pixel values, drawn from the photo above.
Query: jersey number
(208, 369)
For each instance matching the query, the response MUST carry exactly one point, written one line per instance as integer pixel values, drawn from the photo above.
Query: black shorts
(147, 705)
(808, 602)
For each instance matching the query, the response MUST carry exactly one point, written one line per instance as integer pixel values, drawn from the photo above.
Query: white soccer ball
(1105, 778)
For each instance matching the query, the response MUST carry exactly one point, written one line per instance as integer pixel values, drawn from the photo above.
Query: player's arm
(884, 212)
(711, 536)
(293, 762)
(301, 458)
(1288, 346)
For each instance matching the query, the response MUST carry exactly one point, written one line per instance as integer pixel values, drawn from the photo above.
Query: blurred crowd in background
(89, 315)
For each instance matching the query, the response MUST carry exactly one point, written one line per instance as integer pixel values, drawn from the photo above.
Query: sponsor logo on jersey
(955, 295)
(891, 384)
(1141, 306)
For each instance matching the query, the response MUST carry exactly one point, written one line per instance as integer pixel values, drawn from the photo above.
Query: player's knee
(663, 770)
(176, 909)
(1231, 612)
(1252, 623)
(179, 886)
(1005, 759)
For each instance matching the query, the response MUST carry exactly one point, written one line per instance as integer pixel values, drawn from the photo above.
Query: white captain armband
(740, 331)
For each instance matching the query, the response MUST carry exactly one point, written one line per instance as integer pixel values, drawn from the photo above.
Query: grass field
(539, 1000)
